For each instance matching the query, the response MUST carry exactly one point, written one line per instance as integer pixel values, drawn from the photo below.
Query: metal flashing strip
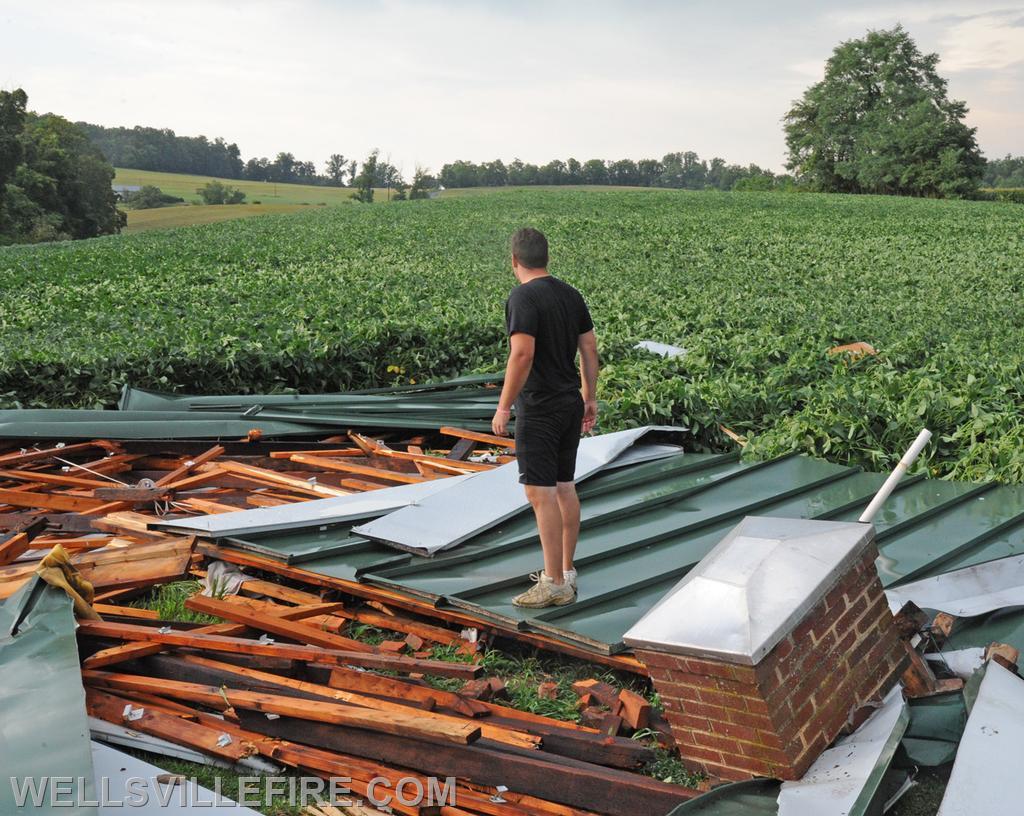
(485, 499)
(44, 733)
(967, 592)
(846, 778)
(742, 597)
(985, 775)
(131, 786)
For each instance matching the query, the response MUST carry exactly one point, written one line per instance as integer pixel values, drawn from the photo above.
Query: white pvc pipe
(894, 477)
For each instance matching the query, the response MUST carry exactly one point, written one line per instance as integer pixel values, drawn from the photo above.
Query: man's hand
(589, 415)
(499, 423)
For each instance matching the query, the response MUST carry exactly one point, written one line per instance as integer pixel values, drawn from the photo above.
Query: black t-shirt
(555, 315)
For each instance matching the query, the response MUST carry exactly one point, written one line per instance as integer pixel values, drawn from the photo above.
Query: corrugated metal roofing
(464, 402)
(647, 525)
(44, 732)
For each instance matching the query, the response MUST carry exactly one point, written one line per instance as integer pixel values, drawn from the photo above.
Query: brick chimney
(765, 649)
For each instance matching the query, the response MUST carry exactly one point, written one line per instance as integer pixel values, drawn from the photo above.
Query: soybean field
(756, 287)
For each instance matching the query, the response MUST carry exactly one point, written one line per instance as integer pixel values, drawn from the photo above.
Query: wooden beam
(387, 722)
(17, 541)
(275, 626)
(274, 478)
(558, 779)
(111, 708)
(362, 470)
(243, 677)
(476, 436)
(49, 501)
(307, 654)
(189, 465)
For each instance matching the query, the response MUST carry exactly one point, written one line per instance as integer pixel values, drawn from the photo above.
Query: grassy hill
(266, 192)
(272, 198)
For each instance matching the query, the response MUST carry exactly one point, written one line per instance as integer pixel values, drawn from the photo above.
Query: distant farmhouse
(122, 190)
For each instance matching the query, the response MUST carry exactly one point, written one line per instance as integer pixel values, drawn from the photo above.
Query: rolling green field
(266, 192)
(756, 286)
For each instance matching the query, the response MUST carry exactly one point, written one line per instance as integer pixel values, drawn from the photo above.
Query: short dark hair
(531, 248)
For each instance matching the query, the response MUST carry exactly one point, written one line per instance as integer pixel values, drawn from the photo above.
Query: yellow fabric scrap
(58, 571)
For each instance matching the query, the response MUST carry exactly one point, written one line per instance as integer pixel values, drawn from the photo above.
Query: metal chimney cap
(752, 589)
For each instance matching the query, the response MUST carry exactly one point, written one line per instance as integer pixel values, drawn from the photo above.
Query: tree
(149, 197)
(422, 183)
(1005, 172)
(216, 192)
(337, 165)
(594, 171)
(364, 181)
(881, 122)
(56, 184)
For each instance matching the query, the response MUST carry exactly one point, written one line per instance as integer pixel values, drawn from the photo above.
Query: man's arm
(588, 374)
(520, 361)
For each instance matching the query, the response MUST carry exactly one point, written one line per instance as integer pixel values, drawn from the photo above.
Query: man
(548, 322)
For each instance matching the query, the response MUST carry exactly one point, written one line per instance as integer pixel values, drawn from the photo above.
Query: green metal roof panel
(44, 731)
(646, 525)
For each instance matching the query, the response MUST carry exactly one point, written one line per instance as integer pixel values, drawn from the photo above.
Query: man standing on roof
(548, 322)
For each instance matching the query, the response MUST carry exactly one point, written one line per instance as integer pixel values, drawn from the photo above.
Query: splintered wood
(283, 670)
(103, 494)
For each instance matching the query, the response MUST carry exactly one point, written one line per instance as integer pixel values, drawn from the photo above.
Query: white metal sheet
(962, 662)
(335, 510)
(967, 592)
(126, 779)
(751, 589)
(116, 734)
(845, 778)
(986, 773)
(661, 349)
(460, 511)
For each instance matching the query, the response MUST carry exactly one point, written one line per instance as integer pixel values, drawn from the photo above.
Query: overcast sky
(429, 82)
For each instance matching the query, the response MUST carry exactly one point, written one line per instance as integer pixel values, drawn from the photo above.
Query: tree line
(682, 170)
(54, 183)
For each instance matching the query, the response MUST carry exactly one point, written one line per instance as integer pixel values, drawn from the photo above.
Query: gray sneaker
(545, 592)
(570, 576)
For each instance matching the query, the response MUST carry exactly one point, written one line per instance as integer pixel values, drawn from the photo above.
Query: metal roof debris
(986, 771)
(846, 778)
(460, 511)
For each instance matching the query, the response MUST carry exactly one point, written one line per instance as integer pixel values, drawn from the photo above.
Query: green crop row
(757, 287)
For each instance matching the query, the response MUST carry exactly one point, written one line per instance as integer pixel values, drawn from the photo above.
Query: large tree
(881, 122)
(55, 182)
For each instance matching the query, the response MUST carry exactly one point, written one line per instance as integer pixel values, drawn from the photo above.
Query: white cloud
(434, 80)
(992, 42)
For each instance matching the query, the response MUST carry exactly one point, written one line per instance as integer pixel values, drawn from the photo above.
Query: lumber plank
(477, 436)
(189, 465)
(352, 680)
(559, 779)
(361, 470)
(275, 626)
(308, 654)
(272, 477)
(59, 479)
(241, 676)
(49, 501)
(111, 708)
(18, 540)
(387, 722)
(21, 458)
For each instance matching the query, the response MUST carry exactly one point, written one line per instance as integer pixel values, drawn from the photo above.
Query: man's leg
(569, 507)
(546, 503)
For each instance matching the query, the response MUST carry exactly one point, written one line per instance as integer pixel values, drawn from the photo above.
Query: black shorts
(547, 437)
